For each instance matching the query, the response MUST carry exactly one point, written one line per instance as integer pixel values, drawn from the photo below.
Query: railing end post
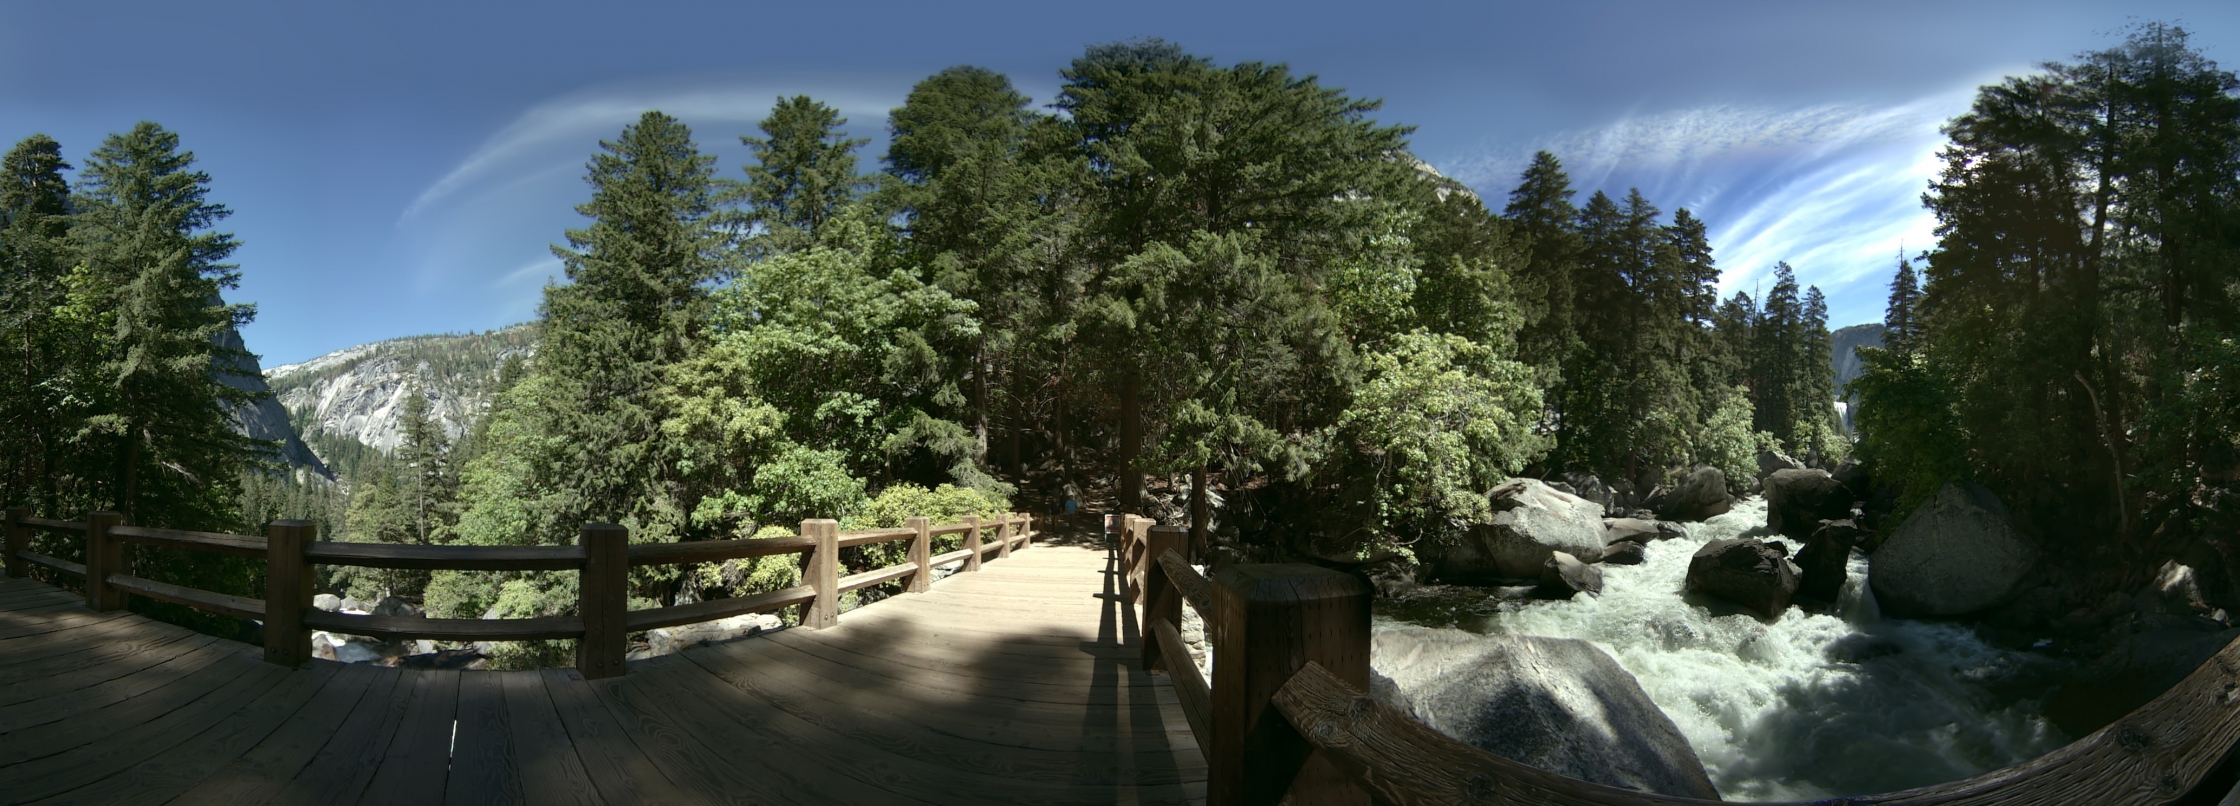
(18, 541)
(104, 556)
(1275, 618)
(603, 601)
(823, 573)
(921, 553)
(287, 591)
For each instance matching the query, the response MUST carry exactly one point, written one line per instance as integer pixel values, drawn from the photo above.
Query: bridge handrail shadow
(1288, 718)
(603, 559)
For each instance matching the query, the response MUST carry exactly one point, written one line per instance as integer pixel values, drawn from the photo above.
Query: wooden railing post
(1003, 536)
(823, 573)
(18, 541)
(1270, 621)
(602, 599)
(1026, 525)
(104, 556)
(287, 591)
(1160, 599)
(921, 554)
(1133, 556)
(972, 542)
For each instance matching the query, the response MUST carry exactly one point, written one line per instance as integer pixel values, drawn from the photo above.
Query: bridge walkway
(1015, 684)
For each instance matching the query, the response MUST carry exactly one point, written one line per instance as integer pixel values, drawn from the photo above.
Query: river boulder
(1625, 553)
(1798, 500)
(1770, 462)
(671, 640)
(1698, 495)
(1824, 562)
(1531, 522)
(1557, 704)
(1564, 576)
(1958, 553)
(1747, 571)
(1638, 530)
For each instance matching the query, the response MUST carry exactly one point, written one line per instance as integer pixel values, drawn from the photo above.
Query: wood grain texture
(603, 601)
(287, 592)
(213, 542)
(447, 558)
(1189, 684)
(202, 600)
(104, 556)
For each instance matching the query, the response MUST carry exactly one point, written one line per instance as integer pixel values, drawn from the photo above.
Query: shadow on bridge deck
(1016, 684)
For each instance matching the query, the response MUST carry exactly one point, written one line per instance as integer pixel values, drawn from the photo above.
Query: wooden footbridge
(1020, 679)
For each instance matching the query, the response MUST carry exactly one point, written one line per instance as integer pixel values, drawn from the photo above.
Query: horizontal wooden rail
(850, 540)
(446, 558)
(52, 525)
(713, 551)
(214, 542)
(398, 628)
(951, 529)
(870, 578)
(958, 556)
(235, 606)
(712, 609)
(1187, 581)
(55, 563)
(1189, 685)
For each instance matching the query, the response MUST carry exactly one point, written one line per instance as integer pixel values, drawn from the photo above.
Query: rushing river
(1809, 706)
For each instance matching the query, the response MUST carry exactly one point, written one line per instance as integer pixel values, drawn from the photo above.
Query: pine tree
(804, 172)
(34, 259)
(1898, 316)
(423, 464)
(149, 286)
(1541, 209)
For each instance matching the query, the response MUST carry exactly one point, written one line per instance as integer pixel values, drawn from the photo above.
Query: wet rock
(1558, 704)
(1957, 553)
(2137, 669)
(1798, 500)
(1746, 571)
(1627, 553)
(1588, 486)
(1531, 521)
(1564, 576)
(1700, 494)
(1824, 562)
(1392, 577)
(1637, 530)
(393, 606)
(1861, 647)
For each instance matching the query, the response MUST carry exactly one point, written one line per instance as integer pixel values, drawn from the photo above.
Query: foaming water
(1811, 705)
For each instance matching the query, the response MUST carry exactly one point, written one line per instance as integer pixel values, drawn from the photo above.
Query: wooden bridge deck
(1010, 685)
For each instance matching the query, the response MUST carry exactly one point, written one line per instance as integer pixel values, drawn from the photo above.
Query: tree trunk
(980, 403)
(1200, 512)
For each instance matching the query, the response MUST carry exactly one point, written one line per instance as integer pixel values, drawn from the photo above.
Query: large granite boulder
(1558, 704)
(1824, 562)
(1625, 553)
(1798, 500)
(1699, 495)
(671, 640)
(1770, 462)
(1957, 553)
(1746, 571)
(1564, 576)
(1531, 522)
(1590, 487)
(1638, 530)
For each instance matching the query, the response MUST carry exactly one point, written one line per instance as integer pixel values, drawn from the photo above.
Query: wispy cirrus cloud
(1833, 189)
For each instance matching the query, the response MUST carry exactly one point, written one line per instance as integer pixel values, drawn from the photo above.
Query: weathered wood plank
(54, 699)
(206, 601)
(398, 628)
(164, 776)
(551, 772)
(617, 765)
(415, 767)
(212, 542)
(116, 750)
(90, 726)
(1189, 684)
(261, 774)
(349, 759)
(446, 558)
(483, 766)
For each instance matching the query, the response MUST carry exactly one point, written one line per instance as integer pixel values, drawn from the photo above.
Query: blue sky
(401, 168)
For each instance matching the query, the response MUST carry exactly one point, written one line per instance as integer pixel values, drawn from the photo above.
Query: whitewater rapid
(1808, 706)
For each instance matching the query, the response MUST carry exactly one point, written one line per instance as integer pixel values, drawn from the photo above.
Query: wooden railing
(603, 559)
(1287, 718)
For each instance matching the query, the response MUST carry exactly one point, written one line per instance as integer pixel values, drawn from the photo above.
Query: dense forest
(1219, 294)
